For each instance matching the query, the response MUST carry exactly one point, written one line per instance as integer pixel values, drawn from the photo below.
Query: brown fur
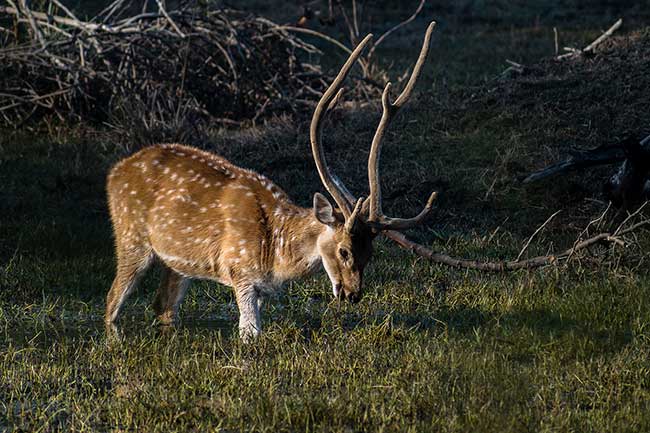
(203, 217)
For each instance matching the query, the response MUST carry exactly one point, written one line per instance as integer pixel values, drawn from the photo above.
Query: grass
(428, 348)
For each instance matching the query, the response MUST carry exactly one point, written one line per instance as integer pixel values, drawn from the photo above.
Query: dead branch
(628, 186)
(604, 36)
(615, 237)
(604, 154)
(575, 52)
(387, 33)
(530, 239)
(24, 6)
(217, 63)
(352, 26)
(329, 39)
(162, 10)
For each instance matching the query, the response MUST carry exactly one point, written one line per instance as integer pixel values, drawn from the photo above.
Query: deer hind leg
(132, 262)
(250, 322)
(169, 296)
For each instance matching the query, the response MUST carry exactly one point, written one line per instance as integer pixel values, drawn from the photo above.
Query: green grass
(429, 348)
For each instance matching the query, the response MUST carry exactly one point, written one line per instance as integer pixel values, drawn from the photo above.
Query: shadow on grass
(522, 333)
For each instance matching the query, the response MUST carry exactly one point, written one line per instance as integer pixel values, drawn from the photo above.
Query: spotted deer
(204, 217)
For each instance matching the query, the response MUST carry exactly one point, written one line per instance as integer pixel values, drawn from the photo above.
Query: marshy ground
(429, 348)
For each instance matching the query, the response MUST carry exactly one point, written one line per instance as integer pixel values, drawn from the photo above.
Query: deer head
(347, 247)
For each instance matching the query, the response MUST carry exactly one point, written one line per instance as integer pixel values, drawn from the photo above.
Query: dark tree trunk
(631, 183)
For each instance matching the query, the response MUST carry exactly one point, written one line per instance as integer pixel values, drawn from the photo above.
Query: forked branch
(615, 237)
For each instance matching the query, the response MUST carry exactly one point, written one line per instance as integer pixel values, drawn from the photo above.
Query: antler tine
(329, 98)
(389, 110)
(349, 224)
(424, 51)
(374, 199)
(387, 223)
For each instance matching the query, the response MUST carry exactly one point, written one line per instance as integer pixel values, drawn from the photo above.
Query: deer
(202, 217)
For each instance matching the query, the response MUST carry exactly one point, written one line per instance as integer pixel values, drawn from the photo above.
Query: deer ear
(323, 209)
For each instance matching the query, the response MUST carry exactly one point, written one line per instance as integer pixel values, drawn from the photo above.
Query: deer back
(202, 215)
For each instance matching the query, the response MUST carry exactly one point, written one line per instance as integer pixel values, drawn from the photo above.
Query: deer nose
(354, 297)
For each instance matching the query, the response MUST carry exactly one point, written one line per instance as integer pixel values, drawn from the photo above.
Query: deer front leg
(250, 323)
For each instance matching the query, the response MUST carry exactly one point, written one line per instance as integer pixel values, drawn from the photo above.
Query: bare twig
(65, 9)
(574, 52)
(629, 217)
(162, 10)
(57, 19)
(355, 21)
(530, 239)
(24, 6)
(604, 36)
(585, 231)
(395, 28)
(329, 39)
(351, 27)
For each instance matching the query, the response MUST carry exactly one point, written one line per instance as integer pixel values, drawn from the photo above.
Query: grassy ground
(429, 348)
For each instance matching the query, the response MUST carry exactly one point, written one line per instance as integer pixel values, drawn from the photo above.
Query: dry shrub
(154, 71)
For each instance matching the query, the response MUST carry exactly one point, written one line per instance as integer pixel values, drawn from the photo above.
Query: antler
(344, 199)
(333, 185)
(375, 214)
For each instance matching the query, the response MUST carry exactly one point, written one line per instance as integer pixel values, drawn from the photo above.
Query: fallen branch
(604, 36)
(629, 186)
(575, 52)
(604, 154)
(615, 237)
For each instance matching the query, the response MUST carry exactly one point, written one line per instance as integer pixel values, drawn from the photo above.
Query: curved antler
(376, 216)
(334, 186)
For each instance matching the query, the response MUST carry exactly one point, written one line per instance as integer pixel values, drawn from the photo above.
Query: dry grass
(428, 348)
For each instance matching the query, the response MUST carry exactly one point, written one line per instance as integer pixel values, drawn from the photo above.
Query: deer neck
(295, 244)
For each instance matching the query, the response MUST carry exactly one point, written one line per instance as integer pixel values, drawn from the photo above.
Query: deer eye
(345, 254)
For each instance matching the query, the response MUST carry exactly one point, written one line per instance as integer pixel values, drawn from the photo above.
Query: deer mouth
(353, 297)
(343, 295)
